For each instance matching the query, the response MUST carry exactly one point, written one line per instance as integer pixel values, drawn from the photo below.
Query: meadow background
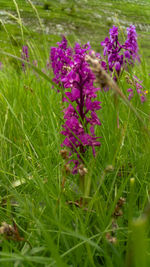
(51, 229)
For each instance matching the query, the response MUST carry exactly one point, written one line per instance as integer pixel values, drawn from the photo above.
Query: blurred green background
(86, 20)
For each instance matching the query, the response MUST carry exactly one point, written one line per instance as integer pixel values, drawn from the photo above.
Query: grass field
(49, 226)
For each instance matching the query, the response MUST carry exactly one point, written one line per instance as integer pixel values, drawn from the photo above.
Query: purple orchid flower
(119, 56)
(73, 73)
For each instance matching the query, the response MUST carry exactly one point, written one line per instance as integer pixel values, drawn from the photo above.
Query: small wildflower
(139, 89)
(25, 55)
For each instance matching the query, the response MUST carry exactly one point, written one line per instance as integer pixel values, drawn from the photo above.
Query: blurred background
(79, 20)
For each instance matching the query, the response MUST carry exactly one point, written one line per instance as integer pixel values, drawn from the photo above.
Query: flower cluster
(131, 45)
(78, 81)
(60, 58)
(118, 55)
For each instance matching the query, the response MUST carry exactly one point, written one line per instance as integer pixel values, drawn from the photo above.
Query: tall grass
(55, 230)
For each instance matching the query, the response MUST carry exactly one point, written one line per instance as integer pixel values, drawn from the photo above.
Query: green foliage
(57, 230)
(46, 6)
